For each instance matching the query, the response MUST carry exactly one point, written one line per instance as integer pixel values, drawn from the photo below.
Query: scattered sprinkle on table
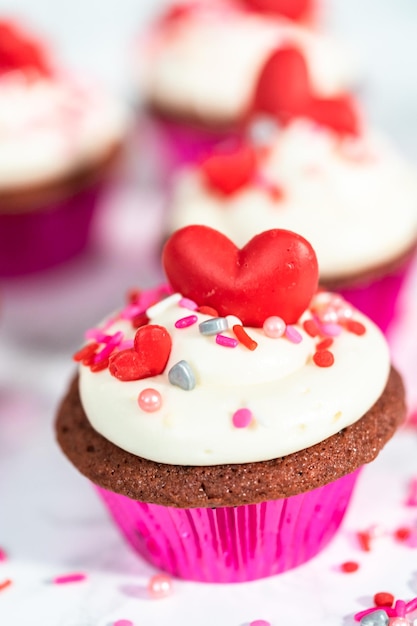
(123, 622)
(348, 567)
(260, 622)
(159, 586)
(69, 578)
(6, 583)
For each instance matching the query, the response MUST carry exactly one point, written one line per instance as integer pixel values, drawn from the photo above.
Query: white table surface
(51, 522)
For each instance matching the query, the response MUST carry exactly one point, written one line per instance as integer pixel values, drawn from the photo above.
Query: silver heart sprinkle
(182, 376)
(376, 618)
(213, 326)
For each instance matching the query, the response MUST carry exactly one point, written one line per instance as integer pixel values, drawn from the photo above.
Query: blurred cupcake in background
(338, 183)
(199, 69)
(60, 139)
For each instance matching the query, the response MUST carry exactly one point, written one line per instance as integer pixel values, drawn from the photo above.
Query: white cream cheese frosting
(52, 125)
(293, 402)
(354, 199)
(206, 64)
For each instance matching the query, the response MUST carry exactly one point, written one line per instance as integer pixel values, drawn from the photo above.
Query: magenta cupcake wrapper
(233, 544)
(380, 299)
(45, 237)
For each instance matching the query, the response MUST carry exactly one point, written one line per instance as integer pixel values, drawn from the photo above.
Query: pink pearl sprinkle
(123, 622)
(159, 586)
(242, 418)
(260, 622)
(184, 322)
(274, 327)
(150, 400)
(227, 342)
(186, 303)
(293, 335)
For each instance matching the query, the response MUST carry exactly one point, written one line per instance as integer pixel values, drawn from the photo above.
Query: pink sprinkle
(69, 578)
(260, 622)
(293, 335)
(127, 344)
(96, 334)
(184, 322)
(227, 342)
(123, 622)
(242, 418)
(186, 303)
(331, 330)
(3, 555)
(108, 349)
(412, 493)
(131, 310)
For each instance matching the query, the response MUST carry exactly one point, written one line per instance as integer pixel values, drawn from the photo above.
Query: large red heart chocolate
(148, 357)
(20, 51)
(276, 273)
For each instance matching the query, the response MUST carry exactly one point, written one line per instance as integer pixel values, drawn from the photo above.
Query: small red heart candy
(127, 365)
(276, 273)
(283, 87)
(20, 51)
(229, 170)
(153, 344)
(292, 9)
(338, 113)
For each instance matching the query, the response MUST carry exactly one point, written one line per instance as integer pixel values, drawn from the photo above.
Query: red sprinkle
(364, 538)
(323, 358)
(311, 328)
(349, 567)
(133, 296)
(383, 598)
(140, 320)
(85, 352)
(99, 366)
(276, 193)
(244, 338)
(208, 310)
(326, 343)
(403, 533)
(355, 327)
(6, 583)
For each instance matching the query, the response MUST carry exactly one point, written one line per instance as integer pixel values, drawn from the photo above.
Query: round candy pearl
(398, 621)
(274, 327)
(159, 586)
(150, 400)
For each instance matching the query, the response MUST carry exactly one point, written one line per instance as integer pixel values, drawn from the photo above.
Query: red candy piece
(148, 357)
(276, 273)
(338, 113)
(153, 344)
(283, 88)
(383, 598)
(230, 170)
(323, 358)
(292, 9)
(349, 567)
(18, 51)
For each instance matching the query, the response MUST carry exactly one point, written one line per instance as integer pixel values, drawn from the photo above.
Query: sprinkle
(163, 305)
(68, 578)
(150, 400)
(127, 344)
(184, 322)
(383, 598)
(109, 347)
(130, 311)
(349, 567)
(97, 334)
(403, 533)
(355, 327)
(311, 328)
(6, 583)
(274, 327)
(140, 320)
(85, 352)
(213, 326)
(260, 622)
(159, 586)
(244, 338)
(293, 335)
(123, 622)
(331, 330)
(186, 303)
(324, 344)
(3, 555)
(227, 342)
(323, 358)
(412, 493)
(181, 375)
(208, 310)
(100, 366)
(364, 539)
(374, 617)
(133, 295)
(242, 418)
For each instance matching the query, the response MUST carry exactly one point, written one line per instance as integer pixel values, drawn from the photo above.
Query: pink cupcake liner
(380, 299)
(233, 544)
(47, 236)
